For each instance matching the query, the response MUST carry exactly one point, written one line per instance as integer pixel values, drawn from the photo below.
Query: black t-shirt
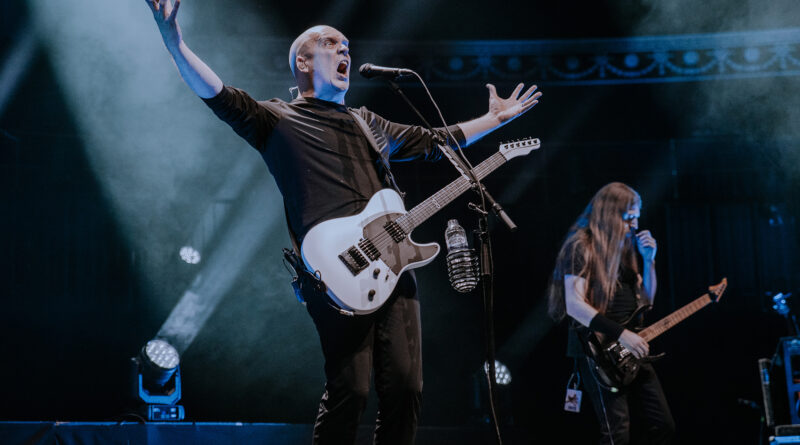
(320, 159)
(622, 305)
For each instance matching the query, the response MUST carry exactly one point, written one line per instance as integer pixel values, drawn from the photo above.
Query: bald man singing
(325, 168)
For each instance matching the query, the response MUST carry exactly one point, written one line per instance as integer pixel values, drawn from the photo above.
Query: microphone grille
(462, 267)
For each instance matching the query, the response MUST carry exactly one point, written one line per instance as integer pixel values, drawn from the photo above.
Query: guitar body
(613, 365)
(366, 284)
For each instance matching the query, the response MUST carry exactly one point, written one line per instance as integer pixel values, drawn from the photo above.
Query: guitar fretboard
(438, 200)
(676, 317)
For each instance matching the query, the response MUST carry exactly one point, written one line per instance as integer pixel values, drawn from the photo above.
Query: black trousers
(644, 396)
(386, 341)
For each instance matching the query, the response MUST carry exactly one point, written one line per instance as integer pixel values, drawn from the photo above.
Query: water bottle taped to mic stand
(462, 262)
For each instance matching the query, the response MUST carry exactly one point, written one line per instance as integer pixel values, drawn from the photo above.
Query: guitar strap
(303, 278)
(381, 149)
(292, 236)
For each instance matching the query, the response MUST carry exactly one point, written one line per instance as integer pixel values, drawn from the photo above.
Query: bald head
(320, 62)
(303, 43)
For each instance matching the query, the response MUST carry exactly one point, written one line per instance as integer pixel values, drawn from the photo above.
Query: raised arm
(647, 248)
(501, 111)
(204, 82)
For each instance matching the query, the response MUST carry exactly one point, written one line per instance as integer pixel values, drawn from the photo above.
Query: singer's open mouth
(342, 68)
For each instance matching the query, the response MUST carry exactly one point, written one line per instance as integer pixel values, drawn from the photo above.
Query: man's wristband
(610, 329)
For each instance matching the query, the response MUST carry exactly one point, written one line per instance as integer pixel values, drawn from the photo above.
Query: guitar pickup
(354, 260)
(367, 247)
(395, 231)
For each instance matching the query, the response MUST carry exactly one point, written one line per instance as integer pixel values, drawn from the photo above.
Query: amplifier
(785, 434)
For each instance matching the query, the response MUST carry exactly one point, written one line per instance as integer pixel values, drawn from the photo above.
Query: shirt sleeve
(250, 119)
(409, 142)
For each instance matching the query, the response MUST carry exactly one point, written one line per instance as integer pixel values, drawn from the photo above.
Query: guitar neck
(438, 200)
(674, 318)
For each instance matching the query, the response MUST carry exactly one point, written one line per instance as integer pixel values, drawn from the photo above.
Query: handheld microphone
(462, 262)
(369, 71)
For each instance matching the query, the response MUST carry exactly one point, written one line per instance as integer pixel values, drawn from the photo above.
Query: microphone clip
(477, 209)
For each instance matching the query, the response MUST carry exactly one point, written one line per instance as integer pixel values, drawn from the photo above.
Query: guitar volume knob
(371, 295)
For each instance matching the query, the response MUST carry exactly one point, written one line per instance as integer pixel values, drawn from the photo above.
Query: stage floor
(211, 433)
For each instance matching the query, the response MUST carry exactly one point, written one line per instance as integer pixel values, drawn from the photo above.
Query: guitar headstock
(716, 291)
(519, 148)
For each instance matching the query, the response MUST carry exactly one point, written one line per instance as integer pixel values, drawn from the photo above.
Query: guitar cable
(602, 399)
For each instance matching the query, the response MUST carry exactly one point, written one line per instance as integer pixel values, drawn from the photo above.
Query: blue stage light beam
(254, 220)
(16, 64)
(152, 144)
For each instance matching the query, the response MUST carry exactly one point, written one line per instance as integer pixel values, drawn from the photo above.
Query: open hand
(505, 110)
(165, 13)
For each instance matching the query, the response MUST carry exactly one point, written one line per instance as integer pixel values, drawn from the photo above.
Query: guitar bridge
(394, 230)
(354, 260)
(617, 351)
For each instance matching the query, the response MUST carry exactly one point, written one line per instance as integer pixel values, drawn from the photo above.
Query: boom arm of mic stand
(463, 169)
(396, 88)
(498, 210)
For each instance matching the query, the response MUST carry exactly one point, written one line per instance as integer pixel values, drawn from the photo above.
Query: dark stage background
(109, 165)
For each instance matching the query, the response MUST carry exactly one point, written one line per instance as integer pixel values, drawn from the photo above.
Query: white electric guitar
(360, 257)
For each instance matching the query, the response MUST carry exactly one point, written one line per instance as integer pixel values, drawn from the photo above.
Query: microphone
(462, 262)
(369, 71)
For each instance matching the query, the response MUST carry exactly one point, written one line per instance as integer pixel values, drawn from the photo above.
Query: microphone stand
(485, 246)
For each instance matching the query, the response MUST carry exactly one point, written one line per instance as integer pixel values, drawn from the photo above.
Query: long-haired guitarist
(326, 166)
(599, 284)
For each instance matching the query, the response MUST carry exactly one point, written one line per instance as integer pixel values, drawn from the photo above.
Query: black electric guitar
(614, 365)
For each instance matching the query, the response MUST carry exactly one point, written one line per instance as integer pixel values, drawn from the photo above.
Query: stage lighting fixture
(502, 376)
(502, 396)
(156, 381)
(190, 255)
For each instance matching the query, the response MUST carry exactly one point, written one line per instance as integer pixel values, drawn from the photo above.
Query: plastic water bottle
(455, 236)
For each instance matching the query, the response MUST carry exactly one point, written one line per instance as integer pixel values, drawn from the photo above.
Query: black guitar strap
(381, 149)
(303, 278)
(292, 236)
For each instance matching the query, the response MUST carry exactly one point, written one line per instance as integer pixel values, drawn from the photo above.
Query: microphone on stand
(369, 71)
(462, 262)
